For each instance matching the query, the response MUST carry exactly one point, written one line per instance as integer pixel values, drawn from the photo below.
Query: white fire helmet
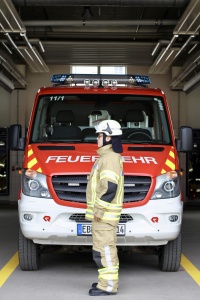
(109, 127)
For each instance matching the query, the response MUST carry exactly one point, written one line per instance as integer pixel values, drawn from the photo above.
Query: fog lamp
(173, 218)
(28, 217)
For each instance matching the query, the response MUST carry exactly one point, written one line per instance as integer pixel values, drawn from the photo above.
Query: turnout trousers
(105, 255)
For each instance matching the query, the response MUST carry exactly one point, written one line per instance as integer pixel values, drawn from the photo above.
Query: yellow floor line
(190, 269)
(7, 270)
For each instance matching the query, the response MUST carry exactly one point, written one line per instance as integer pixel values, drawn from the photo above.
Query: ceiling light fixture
(189, 24)
(163, 61)
(41, 46)
(8, 23)
(2, 58)
(196, 59)
(185, 44)
(7, 48)
(155, 49)
(185, 71)
(191, 82)
(11, 69)
(5, 80)
(33, 59)
(14, 14)
(190, 20)
(37, 42)
(29, 54)
(192, 48)
(32, 51)
(11, 40)
(164, 55)
(11, 21)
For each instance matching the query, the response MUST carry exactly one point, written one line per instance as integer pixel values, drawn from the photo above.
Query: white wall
(17, 106)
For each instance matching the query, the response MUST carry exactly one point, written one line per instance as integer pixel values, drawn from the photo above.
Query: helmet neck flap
(115, 141)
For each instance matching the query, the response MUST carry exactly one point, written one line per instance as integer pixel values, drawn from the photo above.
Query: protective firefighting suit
(105, 192)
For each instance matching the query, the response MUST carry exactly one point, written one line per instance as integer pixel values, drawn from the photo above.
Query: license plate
(86, 229)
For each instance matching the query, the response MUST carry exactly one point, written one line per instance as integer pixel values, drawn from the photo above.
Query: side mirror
(15, 141)
(185, 143)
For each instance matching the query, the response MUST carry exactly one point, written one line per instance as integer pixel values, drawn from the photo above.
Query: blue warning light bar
(100, 79)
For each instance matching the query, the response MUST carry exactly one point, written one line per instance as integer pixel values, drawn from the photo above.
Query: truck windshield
(72, 118)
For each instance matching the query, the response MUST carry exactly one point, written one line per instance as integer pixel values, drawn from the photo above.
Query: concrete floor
(69, 276)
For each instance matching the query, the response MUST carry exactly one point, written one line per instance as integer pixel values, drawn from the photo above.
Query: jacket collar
(104, 150)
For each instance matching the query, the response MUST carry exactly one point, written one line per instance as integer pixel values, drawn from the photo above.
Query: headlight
(34, 184)
(167, 186)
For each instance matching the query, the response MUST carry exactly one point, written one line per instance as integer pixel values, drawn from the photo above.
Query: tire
(170, 255)
(29, 254)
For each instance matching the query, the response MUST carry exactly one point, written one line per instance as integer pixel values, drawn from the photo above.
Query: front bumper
(149, 225)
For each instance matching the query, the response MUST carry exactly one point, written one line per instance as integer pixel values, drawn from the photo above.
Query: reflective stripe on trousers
(105, 255)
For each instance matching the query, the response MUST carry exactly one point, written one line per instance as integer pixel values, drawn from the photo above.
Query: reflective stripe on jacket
(105, 188)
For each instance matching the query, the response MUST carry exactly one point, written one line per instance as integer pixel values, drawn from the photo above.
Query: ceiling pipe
(37, 23)
(129, 3)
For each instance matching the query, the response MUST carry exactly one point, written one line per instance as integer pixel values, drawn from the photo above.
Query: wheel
(170, 255)
(29, 254)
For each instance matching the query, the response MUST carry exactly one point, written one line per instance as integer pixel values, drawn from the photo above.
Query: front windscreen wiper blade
(65, 141)
(135, 142)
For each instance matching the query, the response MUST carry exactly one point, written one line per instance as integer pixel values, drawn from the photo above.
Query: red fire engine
(60, 149)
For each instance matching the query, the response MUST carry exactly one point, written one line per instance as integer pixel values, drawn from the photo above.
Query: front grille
(81, 218)
(73, 188)
(70, 188)
(136, 188)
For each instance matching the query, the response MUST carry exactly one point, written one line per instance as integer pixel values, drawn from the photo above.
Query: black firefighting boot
(98, 292)
(94, 285)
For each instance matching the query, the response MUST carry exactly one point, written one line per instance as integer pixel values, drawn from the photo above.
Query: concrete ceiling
(103, 32)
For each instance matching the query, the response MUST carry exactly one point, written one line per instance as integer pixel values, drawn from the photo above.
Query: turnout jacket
(105, 188)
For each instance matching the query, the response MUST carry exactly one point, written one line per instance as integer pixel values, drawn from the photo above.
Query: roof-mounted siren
(100, 80)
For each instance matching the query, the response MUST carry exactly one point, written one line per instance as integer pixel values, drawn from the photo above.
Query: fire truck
(60, 150)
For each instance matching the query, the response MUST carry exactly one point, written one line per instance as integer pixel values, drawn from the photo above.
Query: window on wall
(84, 70)
(98, 70)
(121, 70)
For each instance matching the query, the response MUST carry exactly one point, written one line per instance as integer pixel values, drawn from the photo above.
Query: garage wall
(16, 108)
(5, 102)
(193, 108)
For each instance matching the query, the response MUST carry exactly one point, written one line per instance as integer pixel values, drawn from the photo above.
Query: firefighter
(105, 192)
